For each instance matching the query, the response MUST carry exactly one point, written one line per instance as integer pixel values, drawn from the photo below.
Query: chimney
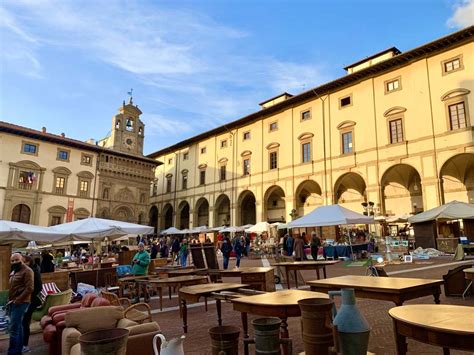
(63, 135)
(43, 129)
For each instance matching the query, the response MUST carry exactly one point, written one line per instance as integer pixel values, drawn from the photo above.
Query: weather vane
(130, 93)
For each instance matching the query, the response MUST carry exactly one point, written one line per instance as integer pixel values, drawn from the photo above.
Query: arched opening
(167, 216)
(308, 196)
(457, 176)
(401, 190)
(183, 209)
(349, 191)
(123, 213)
(21, 213)
(247, 208)
(153, 218)
(202, 213)
(222, 211)
(274, 205)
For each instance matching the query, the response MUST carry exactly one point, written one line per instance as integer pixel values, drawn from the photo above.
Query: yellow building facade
(395, 134)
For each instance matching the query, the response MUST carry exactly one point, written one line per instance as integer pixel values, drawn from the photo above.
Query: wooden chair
(139, 312)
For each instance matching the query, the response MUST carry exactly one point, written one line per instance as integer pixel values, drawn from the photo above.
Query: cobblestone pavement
(381, 338)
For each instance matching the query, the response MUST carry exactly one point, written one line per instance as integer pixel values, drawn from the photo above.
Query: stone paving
(381, 338)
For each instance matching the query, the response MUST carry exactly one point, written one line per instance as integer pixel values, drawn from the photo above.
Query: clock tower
(128, 131)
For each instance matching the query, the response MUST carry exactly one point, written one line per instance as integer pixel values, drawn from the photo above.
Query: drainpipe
(95, 184)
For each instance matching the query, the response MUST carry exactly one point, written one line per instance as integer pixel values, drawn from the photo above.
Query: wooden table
(304, 265)
(395, 289)
(184, 272)
(281, 304)
(469, 275)
(194, 293)
(442, 325)
(133, 279)
(259, 278)
(177, 282)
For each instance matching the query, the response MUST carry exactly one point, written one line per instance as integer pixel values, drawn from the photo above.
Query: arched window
(129, 125)
(117, 124)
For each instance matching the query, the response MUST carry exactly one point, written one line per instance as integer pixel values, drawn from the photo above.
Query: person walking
(35, 300)
(247, 245)
(290, 245)
(21, 286)
(154, 250)
(226, 249)
(140, 263)
(299, 249)
(315, 244)
(238, 249)
(183, 253)
(175, 249)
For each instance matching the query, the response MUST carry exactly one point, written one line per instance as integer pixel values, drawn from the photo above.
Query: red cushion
(100, 301)
(87, 299)
(45, 320)
(63, 308)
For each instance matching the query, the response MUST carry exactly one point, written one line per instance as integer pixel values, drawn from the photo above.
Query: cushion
(100, 302)
(45, 320)
(49, 288)
(143, 328)
(89, 319)
(87, 299)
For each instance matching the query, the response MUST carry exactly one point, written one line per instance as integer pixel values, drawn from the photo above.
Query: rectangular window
(59, 185)
(392, 85)
(273, 126)
(305, 115)
(347, 143)
(306, 150)
(168, 185)
(202, 177)
(396, 131)
(55, 220)
(86, 159)
(184, 182)
(246, 166)
(224, 143)
(30, 148)
(185, 156)
(63, 155)
(273, 160)
(83, 188)
(203, 150)
(457, 115)
(154, 188)
(222, 173)
(345, 101)
(246, 136)
(452, 65)
(26, 180)
(170, 161)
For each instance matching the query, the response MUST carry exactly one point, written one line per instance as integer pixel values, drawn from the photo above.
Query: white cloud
(161, 126)
(463, 15)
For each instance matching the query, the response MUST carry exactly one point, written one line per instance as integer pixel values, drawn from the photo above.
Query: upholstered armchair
(140, 340)
(56, 299)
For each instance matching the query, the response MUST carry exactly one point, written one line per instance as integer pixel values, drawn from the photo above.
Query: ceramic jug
(172, 347)
(351, 328)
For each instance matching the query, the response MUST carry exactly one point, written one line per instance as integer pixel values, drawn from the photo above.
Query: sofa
(140, 339)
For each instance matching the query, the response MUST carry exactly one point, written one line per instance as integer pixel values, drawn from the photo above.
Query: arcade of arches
(401, 191)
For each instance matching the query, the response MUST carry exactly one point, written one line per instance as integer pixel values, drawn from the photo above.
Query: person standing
(140, 263)
(21, 285)
(154, 250)
(299, 248)
(35, 300)
(183, 252)
(226, 249)
(47, 264)
(175, 249)
(290, 245)
(315, 244)
(238, 248)
(247, 245)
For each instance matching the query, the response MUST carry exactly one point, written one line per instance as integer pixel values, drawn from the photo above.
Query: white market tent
(98, 229)
(331, 215)
(449, 211)
(171, 231)
(235, 229)
(403, 218)
(260, 227)
(22, 232)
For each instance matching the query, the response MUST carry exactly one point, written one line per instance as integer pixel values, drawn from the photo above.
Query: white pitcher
(172, 347)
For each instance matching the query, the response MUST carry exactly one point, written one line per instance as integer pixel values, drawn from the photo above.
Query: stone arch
(350, 191)
(104, 213)
(123, 213)
(21, 213)
(401, 190)
(27, 164)
(183, 215)
(308, 196)
(153, 218)
(167, 216)
(81, 213)
(201, 212)
(62, 170)
(222, 211)
(247, 210)
(274, 204)
(457, 178)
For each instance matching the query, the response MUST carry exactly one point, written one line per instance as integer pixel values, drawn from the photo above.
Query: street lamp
(368, 208)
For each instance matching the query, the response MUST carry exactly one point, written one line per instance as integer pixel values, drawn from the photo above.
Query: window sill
(342, 155)
(395, 144)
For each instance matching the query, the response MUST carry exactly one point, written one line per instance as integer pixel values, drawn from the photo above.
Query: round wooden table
(448, 326)
(468, 275)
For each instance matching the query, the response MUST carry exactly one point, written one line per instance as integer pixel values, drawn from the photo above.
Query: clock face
(129, 143)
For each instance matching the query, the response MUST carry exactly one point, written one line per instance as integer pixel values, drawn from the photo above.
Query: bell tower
(128, 131)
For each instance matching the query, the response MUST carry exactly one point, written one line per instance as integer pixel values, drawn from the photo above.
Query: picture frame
(407, 259)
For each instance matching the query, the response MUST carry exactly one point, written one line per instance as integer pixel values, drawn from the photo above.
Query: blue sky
(193, 65)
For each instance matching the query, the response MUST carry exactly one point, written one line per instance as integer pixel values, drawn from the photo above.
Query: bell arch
(457, 178)
(308, 196)
(247, 210)
(222, 211)
(401, 190)
(350, 191)
(274, 204)
(201, 214)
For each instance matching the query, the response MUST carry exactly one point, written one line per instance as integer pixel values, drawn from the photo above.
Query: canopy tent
(98, 229)
(235, 229)
(22, 232)
(171, 231)
(331, 215)
(451, 210)
(403, 218)
(198, 230)
(260, 227)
